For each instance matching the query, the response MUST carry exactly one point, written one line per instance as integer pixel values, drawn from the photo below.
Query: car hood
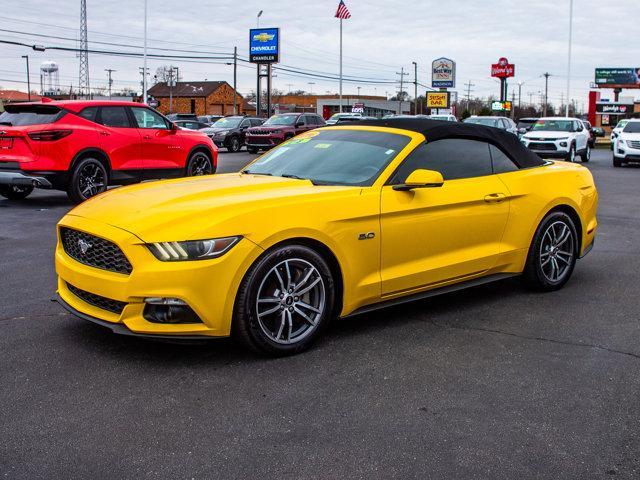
(210, 130)
(199, 207)
(629, 136)
(539, 134)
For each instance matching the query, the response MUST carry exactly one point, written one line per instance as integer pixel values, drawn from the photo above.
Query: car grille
(542, 146)
(635, 144)
(113, 306)
(99, 253)
(260, 132)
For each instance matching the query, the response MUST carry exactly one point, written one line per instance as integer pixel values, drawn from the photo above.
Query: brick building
(201, 98)
(16, 96)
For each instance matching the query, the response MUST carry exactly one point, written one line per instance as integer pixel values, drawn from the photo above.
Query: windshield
(632, 127)
(332, 157)
(281, 120)
(489, 122)
(227, 123)
(23, 115)
(553, 126)
(622, 123)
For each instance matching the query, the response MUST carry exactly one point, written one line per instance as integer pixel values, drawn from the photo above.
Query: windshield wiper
(290, 175)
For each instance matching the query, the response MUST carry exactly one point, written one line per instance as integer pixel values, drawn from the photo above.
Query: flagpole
(340, 65)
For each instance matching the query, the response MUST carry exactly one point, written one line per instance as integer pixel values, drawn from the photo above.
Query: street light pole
(144, 66)
(566, 110)
(235, 80)
(415, 88)
(258, 18)
(28, 79)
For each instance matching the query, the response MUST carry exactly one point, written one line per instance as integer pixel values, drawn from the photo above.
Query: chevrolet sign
(264, 45)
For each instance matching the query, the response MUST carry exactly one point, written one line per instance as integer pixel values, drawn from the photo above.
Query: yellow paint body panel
(423, 239)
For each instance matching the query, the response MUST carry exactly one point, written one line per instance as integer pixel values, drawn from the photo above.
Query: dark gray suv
(229, 132)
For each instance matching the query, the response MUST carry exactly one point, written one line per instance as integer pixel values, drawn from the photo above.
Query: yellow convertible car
(334, 222)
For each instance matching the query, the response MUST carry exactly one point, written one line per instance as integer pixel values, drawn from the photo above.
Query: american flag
(343, 11)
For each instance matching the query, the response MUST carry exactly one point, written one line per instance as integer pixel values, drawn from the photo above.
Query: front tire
(253, 150)
(199, 164)
(617, 162)
(571, 155)
(15, 192)
(284, 302)
(89, 178)
(553, 253)
(586, 155)
(233, 144)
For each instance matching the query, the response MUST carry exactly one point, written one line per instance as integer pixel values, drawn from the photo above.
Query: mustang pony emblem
(84, 246)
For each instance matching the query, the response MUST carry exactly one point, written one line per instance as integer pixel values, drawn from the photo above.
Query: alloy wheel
(572, 154)
(557, 251)
(91, 180)
(200, 165)
(290, 302)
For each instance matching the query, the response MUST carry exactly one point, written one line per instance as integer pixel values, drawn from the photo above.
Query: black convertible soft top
(438, 129)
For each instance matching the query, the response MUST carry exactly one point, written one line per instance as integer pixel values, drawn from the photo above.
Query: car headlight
(192, 249)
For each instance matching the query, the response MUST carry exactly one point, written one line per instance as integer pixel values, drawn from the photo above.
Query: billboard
(264, 45)
(611, 108)
(500, 106)
(437, 99)
(618, 77)
(443, 73)
(503, 69)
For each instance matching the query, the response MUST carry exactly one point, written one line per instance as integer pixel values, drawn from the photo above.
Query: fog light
(169, 310)
(563, 144)
(620, 151)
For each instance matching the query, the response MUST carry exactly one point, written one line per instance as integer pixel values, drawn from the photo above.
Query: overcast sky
(380, 38)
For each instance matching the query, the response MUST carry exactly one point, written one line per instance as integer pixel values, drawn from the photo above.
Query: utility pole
(83, 86)
(415, 88)
(513, 102)
(531, 94)
(144, 72)
(28, 78)
(235, 80)
(402, 75)
(358, 92)
(566, 111)
(144, 61)
(562, 101)
(469, 85)
(546, 93)
(289, 85)
(110, 81)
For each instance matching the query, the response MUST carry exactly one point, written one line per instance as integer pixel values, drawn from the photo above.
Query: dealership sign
(443, 73)
(264, 45)
(437, 99)
(357, 108)
(613, 108)
(500, 106)
(618, 77)
(503, 69)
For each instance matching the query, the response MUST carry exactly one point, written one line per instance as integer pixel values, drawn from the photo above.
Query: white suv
(558, 137)
(617, 129)
(626, 146)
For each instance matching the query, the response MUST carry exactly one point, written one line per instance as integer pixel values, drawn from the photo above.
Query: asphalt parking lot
(493, 382)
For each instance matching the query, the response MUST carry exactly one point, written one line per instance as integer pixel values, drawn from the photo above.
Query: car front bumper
(548, 149)
(262, 141)
(625, 153)
(208, 287)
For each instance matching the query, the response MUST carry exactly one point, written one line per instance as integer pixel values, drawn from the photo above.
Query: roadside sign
(443, 73)
(438, 99)
(264, 45)
(503, 69)
(153, 103)
(357, 108)
(618, 77)
(499, 106)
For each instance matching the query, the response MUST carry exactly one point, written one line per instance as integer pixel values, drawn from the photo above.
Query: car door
(161, 145)
(441, 234)
(302, 125)
(119, 138)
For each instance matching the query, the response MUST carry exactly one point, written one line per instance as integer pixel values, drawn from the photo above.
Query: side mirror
(299, 124)
(173, 127)
(522, 131)
(421, 179)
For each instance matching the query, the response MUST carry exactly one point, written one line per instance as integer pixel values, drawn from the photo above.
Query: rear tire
(553, 253)
(88, 178)
(199, 164)
(284, 301)
(15, 192)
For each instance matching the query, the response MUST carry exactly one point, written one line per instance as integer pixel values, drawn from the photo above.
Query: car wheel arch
(321, 249)
(96, 153)
(204, 149)
(566, 208)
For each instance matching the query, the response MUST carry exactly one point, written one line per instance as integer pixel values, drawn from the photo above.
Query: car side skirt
(432, 293)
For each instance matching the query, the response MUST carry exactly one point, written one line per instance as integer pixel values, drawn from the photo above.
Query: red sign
(503, 69)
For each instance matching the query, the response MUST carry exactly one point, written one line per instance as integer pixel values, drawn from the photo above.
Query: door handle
(146, 137)
(102, 132)
(495, 197)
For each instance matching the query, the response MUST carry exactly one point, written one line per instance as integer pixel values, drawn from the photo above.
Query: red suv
(84, 146)
(280, 127)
